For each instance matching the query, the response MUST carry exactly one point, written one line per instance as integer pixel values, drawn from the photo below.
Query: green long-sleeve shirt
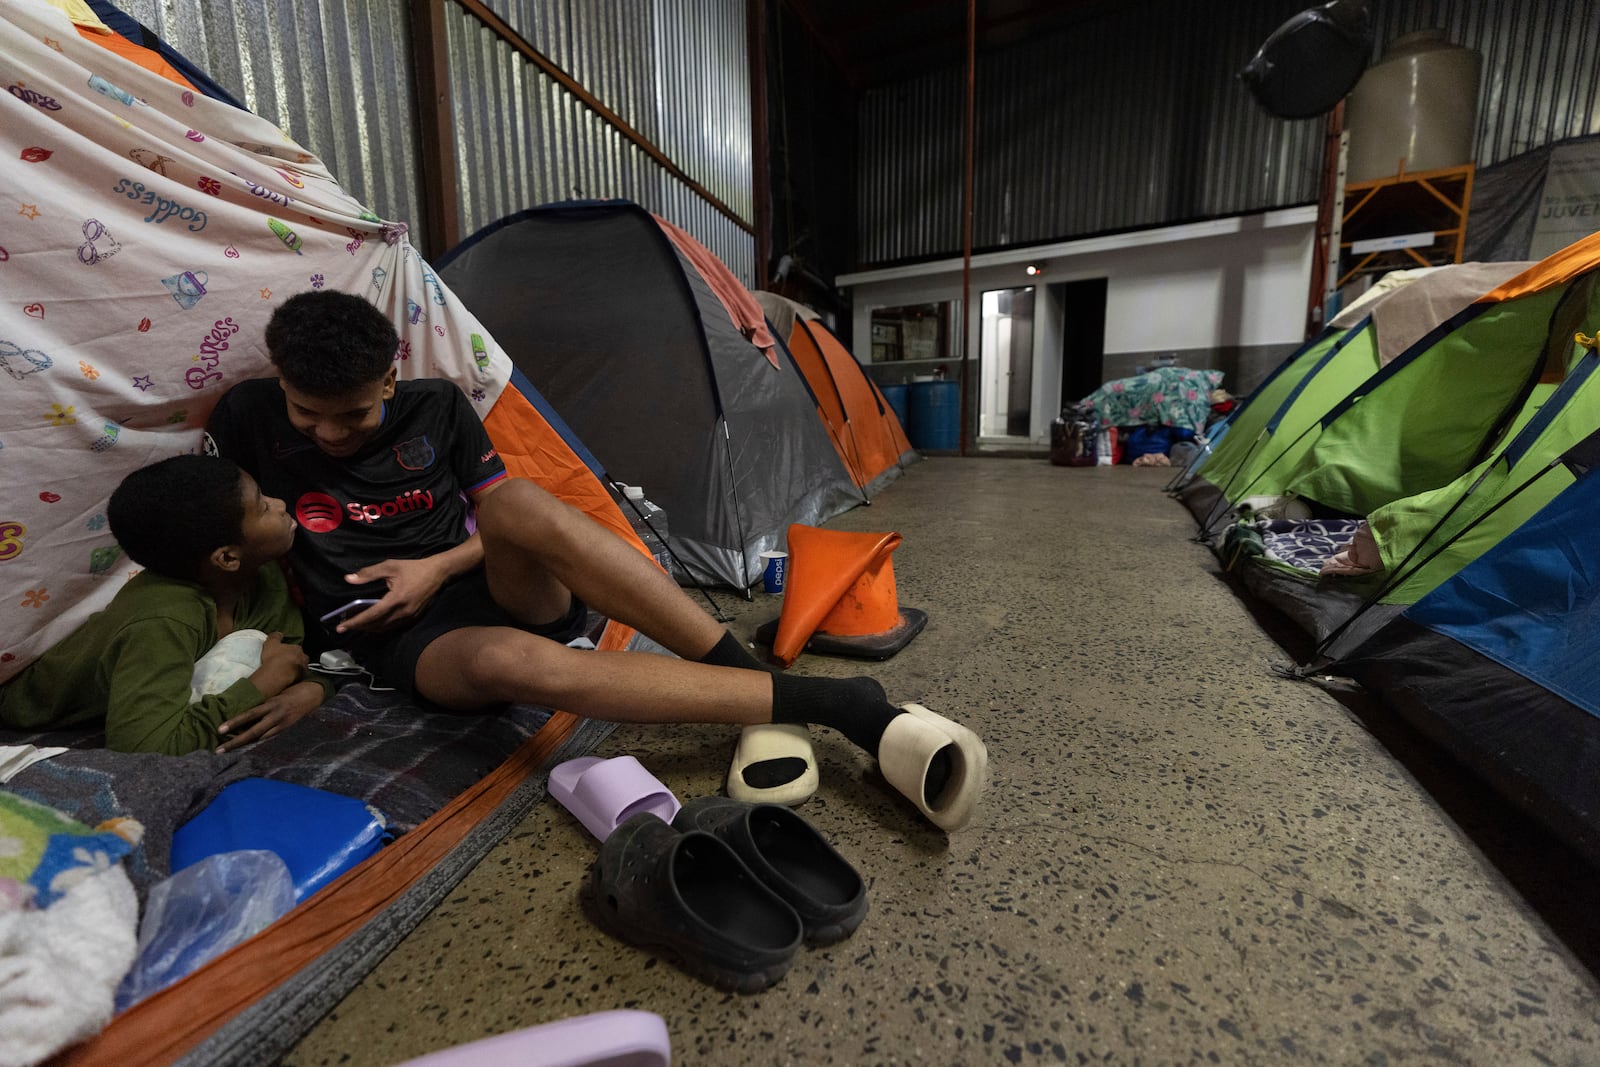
(130, 666)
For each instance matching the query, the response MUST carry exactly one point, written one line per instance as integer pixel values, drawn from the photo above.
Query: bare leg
(470, 668)
(539, 550)
(537, 547)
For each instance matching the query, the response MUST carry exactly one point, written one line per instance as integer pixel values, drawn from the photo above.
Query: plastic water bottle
(649, 522)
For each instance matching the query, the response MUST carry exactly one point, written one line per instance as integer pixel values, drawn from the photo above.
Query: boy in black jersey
(376, 470)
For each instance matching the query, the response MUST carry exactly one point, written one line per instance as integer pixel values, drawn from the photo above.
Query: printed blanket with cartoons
(147, 232)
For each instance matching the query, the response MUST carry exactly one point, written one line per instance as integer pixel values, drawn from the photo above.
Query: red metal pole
(966, 216)
(761, 175)
(441, 216)
(1327, 200)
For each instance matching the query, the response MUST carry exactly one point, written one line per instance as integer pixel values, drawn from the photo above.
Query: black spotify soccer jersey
(401, 497)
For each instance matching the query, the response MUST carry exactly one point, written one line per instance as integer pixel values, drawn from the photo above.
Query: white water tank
(1417, 107)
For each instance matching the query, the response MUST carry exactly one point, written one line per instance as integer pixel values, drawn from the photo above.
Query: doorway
(1083, 337)
(1006, 364)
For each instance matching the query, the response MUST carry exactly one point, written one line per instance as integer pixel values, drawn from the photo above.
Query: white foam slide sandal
(908, 747)
(773, 764)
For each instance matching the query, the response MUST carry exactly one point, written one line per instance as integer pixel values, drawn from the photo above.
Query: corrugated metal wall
(337, 76)
(683, 83)
(1135, 119)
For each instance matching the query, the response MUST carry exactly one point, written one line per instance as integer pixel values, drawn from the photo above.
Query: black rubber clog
(691, 898)
(791, 857)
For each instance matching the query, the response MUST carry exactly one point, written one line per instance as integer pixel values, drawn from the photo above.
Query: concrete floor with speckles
(1182, 858)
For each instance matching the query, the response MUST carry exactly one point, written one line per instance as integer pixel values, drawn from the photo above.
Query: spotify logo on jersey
(317, 512)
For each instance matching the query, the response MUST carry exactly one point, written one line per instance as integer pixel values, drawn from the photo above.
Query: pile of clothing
(1149, 420)
(68, 926)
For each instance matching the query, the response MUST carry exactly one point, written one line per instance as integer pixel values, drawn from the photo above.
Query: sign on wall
(1569, 207)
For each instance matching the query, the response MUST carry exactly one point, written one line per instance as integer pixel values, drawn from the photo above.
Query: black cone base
(867, 646)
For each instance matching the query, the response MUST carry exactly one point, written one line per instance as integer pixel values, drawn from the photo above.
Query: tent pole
(738, 512)
(1178, 480)
(716, 609)
(966, 221)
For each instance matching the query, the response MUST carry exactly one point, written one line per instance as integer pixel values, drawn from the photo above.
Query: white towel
(60, 966)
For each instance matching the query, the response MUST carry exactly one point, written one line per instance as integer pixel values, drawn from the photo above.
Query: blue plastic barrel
(935, 409)
(896, 396)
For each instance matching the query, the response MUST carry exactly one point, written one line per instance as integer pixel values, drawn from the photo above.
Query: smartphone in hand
(344, 611)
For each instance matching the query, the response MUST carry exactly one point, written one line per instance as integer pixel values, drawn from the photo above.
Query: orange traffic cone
(839, 598)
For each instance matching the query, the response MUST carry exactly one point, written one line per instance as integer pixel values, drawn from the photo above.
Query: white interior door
(1006, 370)
(995, 368)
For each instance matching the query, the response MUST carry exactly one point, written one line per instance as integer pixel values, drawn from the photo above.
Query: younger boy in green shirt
(206, 537)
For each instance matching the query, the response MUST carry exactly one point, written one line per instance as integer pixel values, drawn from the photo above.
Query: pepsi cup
(774, 571)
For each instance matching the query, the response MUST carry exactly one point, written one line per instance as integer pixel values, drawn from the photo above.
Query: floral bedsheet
(1166, 396)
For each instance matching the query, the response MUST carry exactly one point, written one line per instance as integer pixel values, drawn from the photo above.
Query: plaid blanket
(405, 760)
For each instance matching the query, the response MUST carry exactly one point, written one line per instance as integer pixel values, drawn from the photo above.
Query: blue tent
(1500, 663)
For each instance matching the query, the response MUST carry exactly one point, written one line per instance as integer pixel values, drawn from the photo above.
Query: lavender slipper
(605, 793)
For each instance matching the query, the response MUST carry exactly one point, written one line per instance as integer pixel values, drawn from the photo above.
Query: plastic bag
(201, 912)
(318, 834)
(1107, 449)
(234, 657)
(1310, 62)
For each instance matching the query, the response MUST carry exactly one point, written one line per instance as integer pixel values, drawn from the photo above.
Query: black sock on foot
(730, 652)
(856, 707)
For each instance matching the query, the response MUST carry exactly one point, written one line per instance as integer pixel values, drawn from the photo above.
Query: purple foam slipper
(604, 1039)
(605, 793)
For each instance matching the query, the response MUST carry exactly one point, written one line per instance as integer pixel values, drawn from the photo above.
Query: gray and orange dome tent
(863, 427)
(661, 361)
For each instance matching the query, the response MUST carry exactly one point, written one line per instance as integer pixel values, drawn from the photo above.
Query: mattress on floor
(452, 786)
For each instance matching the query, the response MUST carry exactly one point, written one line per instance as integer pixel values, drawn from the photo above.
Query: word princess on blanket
(164, 208)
